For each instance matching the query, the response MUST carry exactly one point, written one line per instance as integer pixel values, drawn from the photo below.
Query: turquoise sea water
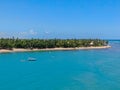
(62, 70)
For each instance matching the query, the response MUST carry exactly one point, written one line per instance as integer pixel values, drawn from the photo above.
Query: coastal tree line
(10, 43)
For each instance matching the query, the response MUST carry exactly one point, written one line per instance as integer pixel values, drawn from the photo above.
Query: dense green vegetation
(10, 43)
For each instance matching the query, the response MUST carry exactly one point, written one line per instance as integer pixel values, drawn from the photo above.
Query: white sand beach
(50, 49)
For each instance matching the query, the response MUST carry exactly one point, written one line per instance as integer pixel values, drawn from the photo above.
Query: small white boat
(31, 59)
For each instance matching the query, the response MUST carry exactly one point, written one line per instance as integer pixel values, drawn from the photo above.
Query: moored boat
(31, 59)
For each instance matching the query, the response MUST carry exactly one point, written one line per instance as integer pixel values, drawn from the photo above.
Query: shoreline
(52, 49)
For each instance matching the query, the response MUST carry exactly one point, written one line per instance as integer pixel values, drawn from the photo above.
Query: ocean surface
(62, 70)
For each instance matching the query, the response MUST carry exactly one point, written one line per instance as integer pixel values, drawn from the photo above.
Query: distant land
(19, 45)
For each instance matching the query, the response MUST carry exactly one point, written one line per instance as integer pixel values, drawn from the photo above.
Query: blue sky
(60, 18)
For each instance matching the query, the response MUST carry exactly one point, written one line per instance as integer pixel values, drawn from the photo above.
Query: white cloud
(3, 34)
(32, 32)
(46, 32)
(27, 33)
(23, 33)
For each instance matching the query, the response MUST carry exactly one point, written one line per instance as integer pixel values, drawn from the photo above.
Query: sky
(60, 19)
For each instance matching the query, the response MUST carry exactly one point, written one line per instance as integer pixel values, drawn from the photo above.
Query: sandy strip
(50, 49)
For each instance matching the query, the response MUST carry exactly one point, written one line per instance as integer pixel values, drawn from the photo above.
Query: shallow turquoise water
(62, 70)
